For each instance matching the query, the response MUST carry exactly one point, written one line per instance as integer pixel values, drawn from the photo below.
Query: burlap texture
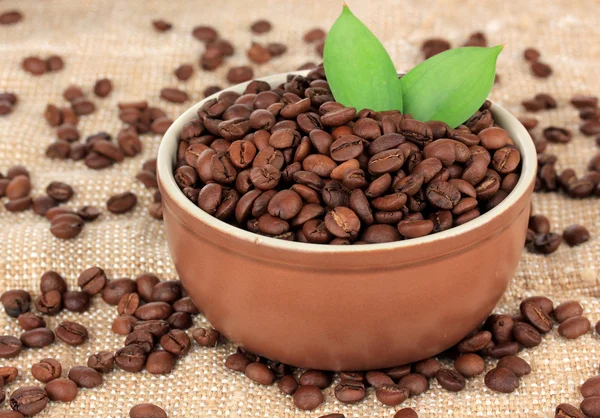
(115, 39)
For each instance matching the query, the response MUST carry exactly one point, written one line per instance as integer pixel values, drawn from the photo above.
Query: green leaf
(359, 70)
(450, 86)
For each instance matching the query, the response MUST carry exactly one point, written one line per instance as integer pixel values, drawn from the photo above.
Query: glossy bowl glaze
(345, 307)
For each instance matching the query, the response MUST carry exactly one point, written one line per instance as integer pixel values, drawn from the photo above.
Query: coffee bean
(575, 235)
(121, 203)
(206, 337)
(15, 302)
(515, 364)
(567, 310)
(34, 65)
(338, 117)
(145, 285)
(540, 69)
(160, 362)
(348, 391)
(92, 280)
(536, 317)
(474, 342)
(239, 74)
(123, 325)
(526, 335)
(147, 410)
(540, 302)
(450, 380)
(37, 338)
(29, 320)
(72, 333)
(415, 229)
(574, 327)
(114, 290)
(416, 383)
(434, 46)
(316, 378)
(102, 361)
(18, 187)
(141, 339)
(501, 380)
(152, 310)
(49, 303)
(568, 411)
(29, 400)
(51, 280)
(10, 17)
(130, 358)
(377, 378)
(469, 365)
(10, 346)
(85, 377)
(8, 373)
(427, 367)
(176, 342)
(62, 390)
(547, 243)
(259, 373)
(237, 362)
(205, 33)
(174, 95)
(591, 406)
(46, 370)
(258, 53)
(168, 291)
(590, 127)
(288, 384)
(406, 413)
(342, 222)
(391, 395)
(54, 63)
(128, 304)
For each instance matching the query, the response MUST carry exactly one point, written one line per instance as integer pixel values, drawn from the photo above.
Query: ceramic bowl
(345, 307)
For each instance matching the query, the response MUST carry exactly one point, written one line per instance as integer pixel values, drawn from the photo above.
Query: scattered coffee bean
(29, 400)
(501, 380)
(34, 65)
(46, 370)
(50, 303)
(240, 74)
(92, 280)
(176, 342)
(434, 46)
(205, 33)
(416, 383)
(574, 327)
(15, 302)
(121, 203)
(160, 362)
(85, 377)
(288, 384)
(515, 364)
(161, 25)
(406, 413)
(392, 395)
(114, 290)
(8, 373)
(37, 338)
(147, 410)
(61, 390)
(29, 320)
(259, 373)
(540, 69)
(174, 95)
(103, 87)
(10, 346)
(567, 310)
(71, 333)
(575, 235)
(10, 17)
(469, 365)
(591, 406)
(567, 411)
(102, 361)
(206, 337)
(450, 380)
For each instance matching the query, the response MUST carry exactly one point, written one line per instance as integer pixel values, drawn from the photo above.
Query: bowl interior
(167, 158)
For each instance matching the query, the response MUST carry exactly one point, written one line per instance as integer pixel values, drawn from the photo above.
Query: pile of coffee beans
(292, 163)
(153, 314)
(8, 101)
(501, 337)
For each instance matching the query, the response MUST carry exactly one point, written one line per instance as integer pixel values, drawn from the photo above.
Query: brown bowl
(346, 307)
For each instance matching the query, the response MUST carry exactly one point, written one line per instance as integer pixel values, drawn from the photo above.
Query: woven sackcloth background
(115, 39)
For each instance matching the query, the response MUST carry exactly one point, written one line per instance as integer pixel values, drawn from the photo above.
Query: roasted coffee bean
(168, 291)
(416, 228)
(103, 87)
(450, 380)
(567, 310)
(308, 397)
(174, 95)
(501, 328)
(147, 410)
(259, 373)
(469, 365)
(591, 406)
(72, 333)
(46, 370)
(398, 372)
(29, 400)
(123, 325)
(18, 187)
(540, 69)
(434, 46)
(130, 358)
(102, 361)
(557, 135)
(121, 203)
(128, 304)
(237, 362)
(590, 127)
(8, 373)
(37, 338)
(10, 17)
(208, 337)
(501, 380)
(85, 377)
(54, 63)
(510, 348)
(539, 224)
(42, 204)
(427, 367)
(114, 290)
(591, 387)
(515, 364)
(474, 342)
(391, 395)
(349, 391)
(547, 243)
(541, 302)
(315, 377)
(10, 346)
(526, 335)
(152, 310)
(51, 280)
(176, 342)
(66, 226)
(377, 378)
(406, 413)
(49, 303)
(576, 235)
(416, 383)
(34, 65)
(62, 390)
(574, 327)
(536, 317)
(342, 222)
(29, 320)
(141, 339)
(288, 384)
(160, 362)
(15, 302)
(239, 74)
(92, 280)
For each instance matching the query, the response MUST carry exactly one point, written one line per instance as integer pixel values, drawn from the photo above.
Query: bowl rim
(167, 154)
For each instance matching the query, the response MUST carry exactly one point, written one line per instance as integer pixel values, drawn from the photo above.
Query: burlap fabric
(115, 39)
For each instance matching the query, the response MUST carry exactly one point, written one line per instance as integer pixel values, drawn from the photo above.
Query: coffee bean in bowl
(279, 175)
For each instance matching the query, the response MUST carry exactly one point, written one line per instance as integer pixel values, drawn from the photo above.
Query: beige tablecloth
(115, 39)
